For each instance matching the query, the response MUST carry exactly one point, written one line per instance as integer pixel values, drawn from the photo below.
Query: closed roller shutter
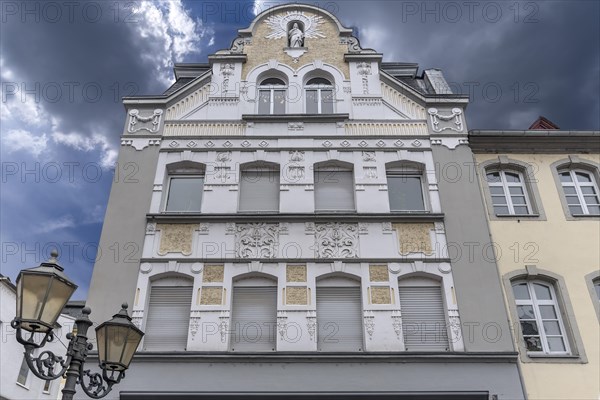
(254, 319)
(334, 190)
(168, 318)
(423, 318)
(259, 190)
(339, 319)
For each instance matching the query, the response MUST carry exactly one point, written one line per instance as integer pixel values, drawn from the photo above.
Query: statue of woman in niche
(296, 36)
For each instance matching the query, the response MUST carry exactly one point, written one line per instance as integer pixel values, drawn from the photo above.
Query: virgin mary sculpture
(296, 36)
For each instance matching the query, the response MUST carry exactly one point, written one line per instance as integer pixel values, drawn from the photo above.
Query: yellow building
(543, 205)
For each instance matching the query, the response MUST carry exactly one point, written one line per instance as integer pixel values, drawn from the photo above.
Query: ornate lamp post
(42, 293)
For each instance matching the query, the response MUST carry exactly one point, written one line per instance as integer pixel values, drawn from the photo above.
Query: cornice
(555, 142)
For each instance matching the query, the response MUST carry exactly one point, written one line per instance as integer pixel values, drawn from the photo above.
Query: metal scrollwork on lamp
(42, 293)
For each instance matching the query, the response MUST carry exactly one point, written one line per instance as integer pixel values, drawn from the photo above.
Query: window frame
(168, 194)
(507, 195)
(27, 374)
(409, 171)
(531, 272)
(332, 167)
(271, 89)
(576, 163)
(273, 170)
(527, 174)
(578, 189)
(536, 303)
(592, 280)
(319, 88)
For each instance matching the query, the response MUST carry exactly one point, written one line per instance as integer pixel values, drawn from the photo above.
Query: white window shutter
(339, 319)
(334, 190)
(168, 318)
(423, 318)
(259, 190)
(254, 319)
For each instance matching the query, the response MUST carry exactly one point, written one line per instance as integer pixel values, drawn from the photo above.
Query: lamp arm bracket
(43, 365)
(99, 385)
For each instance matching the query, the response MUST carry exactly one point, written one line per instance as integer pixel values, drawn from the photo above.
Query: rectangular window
(334, 190)
(279, 102)
(271, 101)
(23, 373)
(254, 319)
(47, 385)
(312, 101)
(264, 102)
(259, 190)
(405, 193)
(326, 101)
(339, 319)
(185, 194)
(423, 318)
(168, 318)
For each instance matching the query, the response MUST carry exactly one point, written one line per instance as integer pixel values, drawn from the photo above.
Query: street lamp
(42, 293)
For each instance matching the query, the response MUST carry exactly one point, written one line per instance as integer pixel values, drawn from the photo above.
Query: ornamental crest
(336, 240)
(257, 240)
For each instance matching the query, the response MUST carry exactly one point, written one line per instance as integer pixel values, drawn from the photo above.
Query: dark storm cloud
(516, 60)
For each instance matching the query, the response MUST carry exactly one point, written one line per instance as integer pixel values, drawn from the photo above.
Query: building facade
(17, 382)
(292, 224)
(542, 199)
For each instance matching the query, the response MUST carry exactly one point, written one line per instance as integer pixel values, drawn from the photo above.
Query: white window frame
(27, 374)
(183, 176)
(505, 185)
(272, 89)
(409, 174)
(578, 191)
(333, 169)
(274, 173)
(319, 88)
(535, 303)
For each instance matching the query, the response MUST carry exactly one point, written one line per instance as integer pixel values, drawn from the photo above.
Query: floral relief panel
(336, 240)
(257, 240)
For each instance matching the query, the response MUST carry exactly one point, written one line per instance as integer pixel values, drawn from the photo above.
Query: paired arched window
(580, 190)
(272, 96)
(319, 96)
(168, 315)
(540, 317)
(185, 181)
(509, 193)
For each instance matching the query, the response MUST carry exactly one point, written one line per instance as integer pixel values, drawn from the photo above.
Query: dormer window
(271, 96)
(319, 96)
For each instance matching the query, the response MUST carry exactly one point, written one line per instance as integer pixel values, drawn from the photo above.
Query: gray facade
(357, 197)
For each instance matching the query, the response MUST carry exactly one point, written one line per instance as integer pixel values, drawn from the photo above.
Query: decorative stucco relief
(257, 240)
(176, 238)
(378, 273)
(296, 273)
(224, 325)
(278, 24)
(211, 295)
(335, 239)
(213, 273)
(311, 324)
(369, 323)
(441, 122)
(149, 123)
(194, 323)
(414, 238)
(296, 295)
(381, 295)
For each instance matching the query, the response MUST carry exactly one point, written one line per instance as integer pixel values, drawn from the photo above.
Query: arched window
(319, 96)
(271, 96)
(185, 182)
(540, 317)
(509, 192)
(168, 314)
(424, 325)
(339, 314)
(334, 187)
(405, 187)
(254, 315)
(580, 190)
(259, 187)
